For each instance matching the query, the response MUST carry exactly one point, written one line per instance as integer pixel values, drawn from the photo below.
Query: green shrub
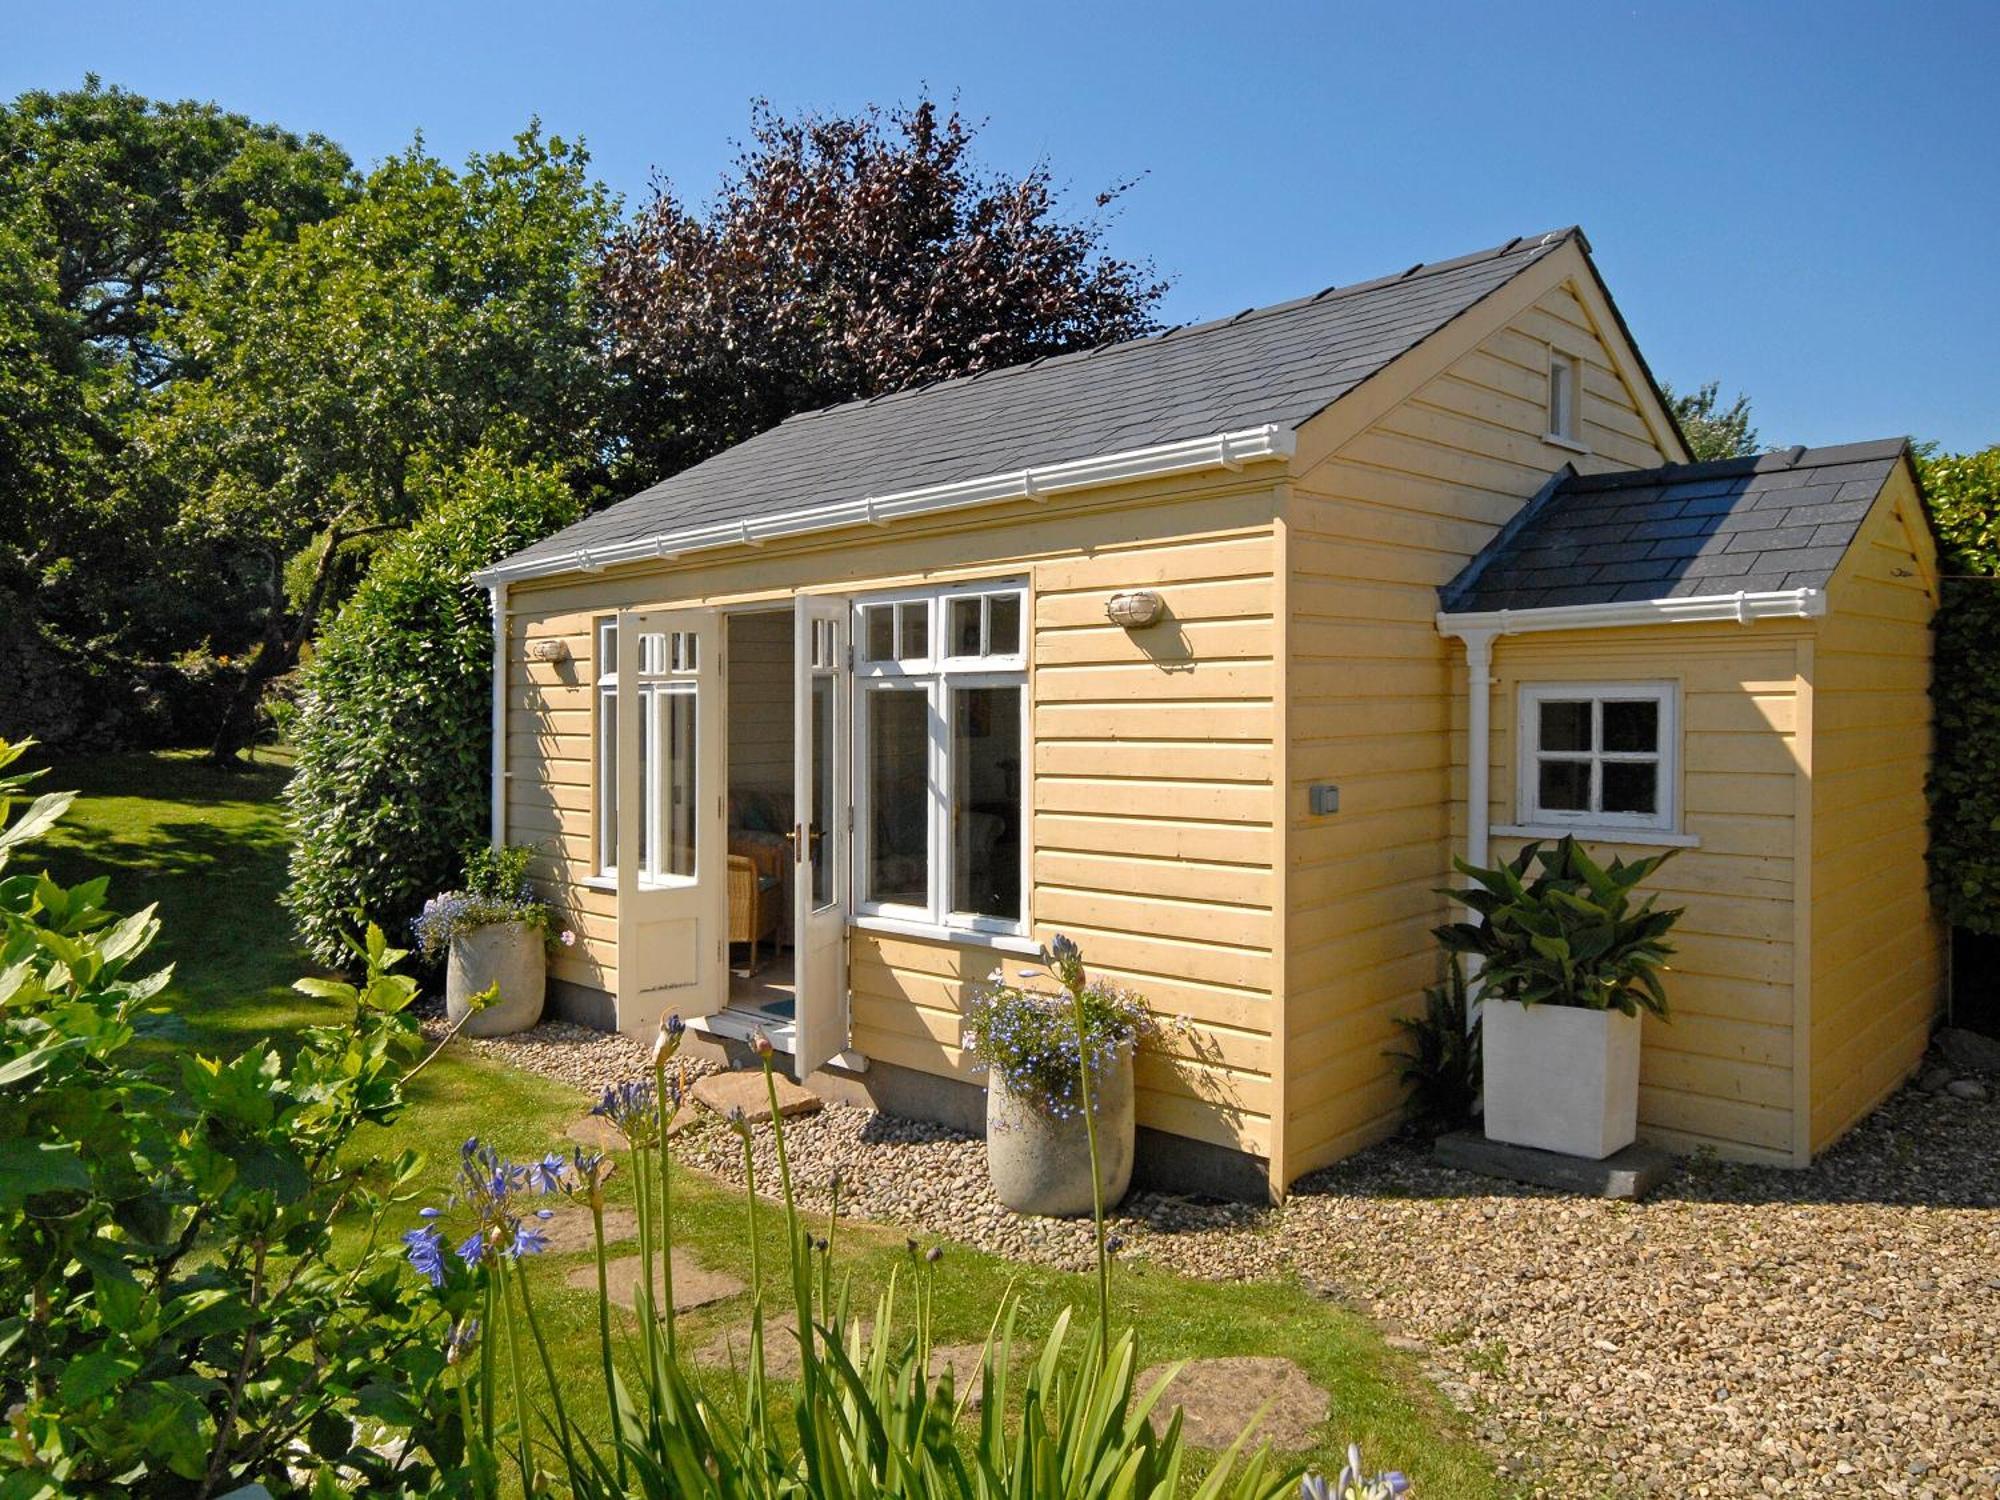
(1963, 493)
(173, 1317)
(1441, 1068)
(394, 722)
(1566, 934)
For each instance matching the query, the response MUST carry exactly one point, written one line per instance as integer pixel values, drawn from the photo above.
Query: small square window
(1597, 756)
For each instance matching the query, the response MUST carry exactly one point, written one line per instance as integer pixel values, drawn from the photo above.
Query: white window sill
(1557, 440)
(964, 937)
(600, 883)
(1659, 838)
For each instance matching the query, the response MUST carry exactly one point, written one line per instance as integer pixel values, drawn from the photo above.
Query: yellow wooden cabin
(1211, 650)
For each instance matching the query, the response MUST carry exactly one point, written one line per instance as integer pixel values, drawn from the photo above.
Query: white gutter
(1226, 450)
(1788, 604)
(497, 590)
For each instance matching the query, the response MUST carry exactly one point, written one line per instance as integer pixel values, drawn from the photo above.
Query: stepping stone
(1218, 1398)
(571, 1230)
(744, 1089)
(595, 1133)
(695, 1285)
(730, 1350)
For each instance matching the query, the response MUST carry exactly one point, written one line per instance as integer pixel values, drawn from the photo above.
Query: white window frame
(1528, 755)
(1565, 408)
(936, 674)
(648, 699)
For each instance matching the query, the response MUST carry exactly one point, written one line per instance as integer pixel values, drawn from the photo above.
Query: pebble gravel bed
(1832, 1331)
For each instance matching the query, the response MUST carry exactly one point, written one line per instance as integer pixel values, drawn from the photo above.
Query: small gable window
(1598, 755)
(1565, 398)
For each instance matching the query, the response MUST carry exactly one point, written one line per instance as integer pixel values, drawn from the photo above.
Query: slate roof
(1773, 522)
(1281, 365)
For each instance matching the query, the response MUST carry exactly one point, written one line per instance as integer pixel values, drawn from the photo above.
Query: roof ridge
(1536, 245)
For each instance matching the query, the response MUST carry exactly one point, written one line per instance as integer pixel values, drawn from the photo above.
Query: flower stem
(666, 1204)
(1096, 1176)
(604, 1331)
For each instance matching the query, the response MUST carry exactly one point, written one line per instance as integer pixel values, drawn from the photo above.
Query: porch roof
(1270, 369)
(1772, 523)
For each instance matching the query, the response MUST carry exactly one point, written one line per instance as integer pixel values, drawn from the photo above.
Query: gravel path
(1746, 1331)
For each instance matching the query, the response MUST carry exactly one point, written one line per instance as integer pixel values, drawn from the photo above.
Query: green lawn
(209, 847)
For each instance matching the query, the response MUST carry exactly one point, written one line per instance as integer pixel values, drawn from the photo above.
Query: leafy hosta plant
(1557, 928)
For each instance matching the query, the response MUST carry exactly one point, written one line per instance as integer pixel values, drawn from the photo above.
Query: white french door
(672, 899)
(819, 835)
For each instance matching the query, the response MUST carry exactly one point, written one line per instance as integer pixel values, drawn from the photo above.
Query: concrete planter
(1560, 1078)
(509, 954)
(1041, 1165)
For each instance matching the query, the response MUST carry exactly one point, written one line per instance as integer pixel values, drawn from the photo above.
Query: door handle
(795, 836)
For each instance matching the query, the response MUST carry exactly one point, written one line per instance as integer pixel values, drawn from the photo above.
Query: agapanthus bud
(761, 1045)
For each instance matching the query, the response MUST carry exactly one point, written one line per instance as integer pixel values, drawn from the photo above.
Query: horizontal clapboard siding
(1154, 807)
(1878, 948)
(1719, 1073)
(1374, 528)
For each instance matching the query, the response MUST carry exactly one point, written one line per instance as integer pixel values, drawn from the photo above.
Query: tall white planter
(1561, 1078)
(509, 954)
(1041, 1165)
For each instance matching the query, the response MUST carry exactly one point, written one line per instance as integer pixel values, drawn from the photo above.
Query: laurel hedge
(394, 727)
(1963, 491)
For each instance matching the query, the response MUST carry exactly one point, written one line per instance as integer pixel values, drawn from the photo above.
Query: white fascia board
(1226, 450)
(1742, 608)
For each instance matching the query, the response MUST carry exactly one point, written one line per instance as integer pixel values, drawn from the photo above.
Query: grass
(209, 847)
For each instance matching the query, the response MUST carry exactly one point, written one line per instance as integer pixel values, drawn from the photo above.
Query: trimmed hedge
(394, 721)
(1963, 492)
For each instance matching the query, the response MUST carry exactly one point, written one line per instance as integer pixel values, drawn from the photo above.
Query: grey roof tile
(1776, 521)
(1280, 365)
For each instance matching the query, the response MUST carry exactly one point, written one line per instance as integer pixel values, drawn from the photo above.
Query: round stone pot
(1041, 1165)
(509, 954)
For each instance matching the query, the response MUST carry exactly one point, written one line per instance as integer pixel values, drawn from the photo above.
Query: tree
(1712, 429)
(438, 313)
(1962, 491)
(846, 257)
(394, 722)
(100, 189)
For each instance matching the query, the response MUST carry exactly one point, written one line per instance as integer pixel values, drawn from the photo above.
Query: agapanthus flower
(425, 1248)
(631, 1109)
(668, 1040)
(527, 1241)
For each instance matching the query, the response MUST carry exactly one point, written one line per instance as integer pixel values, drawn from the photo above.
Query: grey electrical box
(1323, 797)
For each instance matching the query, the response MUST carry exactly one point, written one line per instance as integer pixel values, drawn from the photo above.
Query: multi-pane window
(665, 701)
(1598, 754)
(941, 754)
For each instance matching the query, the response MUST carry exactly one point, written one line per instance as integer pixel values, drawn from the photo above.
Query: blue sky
(1801, 200)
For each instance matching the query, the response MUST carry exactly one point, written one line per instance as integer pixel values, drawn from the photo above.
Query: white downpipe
(497, 592)
(1478, 744)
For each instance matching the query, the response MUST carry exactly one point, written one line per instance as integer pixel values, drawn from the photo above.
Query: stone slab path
(571, 1230)
(1219, 1398)
(695, 1285)
(744, 1089)
(730, 1349)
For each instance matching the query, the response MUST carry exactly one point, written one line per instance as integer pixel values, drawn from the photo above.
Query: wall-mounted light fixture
(548, 651)
(1134, 609)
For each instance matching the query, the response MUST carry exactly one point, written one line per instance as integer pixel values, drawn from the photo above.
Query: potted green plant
(1058, 1064)
(494, 935)
(1568, 960)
